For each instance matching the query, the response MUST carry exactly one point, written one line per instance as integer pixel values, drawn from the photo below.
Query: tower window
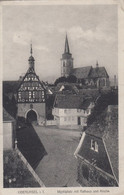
(63, 64)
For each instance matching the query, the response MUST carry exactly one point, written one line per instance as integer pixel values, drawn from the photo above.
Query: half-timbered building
(31, 96)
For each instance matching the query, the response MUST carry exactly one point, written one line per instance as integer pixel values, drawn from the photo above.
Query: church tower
(31, 61)
(66, 60)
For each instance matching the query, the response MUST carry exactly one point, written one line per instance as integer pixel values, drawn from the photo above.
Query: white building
(71, 111)
(9, 125)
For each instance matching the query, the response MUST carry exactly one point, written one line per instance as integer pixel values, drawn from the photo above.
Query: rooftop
(6, 116)
(10, 86)
(82, 72)
(106, 127)
(98, 72)
(72, 101)
(89, 72)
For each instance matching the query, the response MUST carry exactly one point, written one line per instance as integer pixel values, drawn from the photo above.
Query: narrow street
(59, 167)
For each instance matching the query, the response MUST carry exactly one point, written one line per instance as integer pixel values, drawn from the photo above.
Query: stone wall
(39, 108)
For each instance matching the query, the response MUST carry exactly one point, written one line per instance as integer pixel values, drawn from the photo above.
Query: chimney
(115, 82)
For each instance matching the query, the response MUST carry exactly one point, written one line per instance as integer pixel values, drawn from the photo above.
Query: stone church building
(90, 76)
(31, 96)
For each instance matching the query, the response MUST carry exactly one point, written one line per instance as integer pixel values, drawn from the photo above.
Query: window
(65, 111)
(33, 94)
(29, 94)
(64, 118)
(78, 110)
(85, 120)
(72, 118)
(94, 145)
(87, 111)
(63, 64)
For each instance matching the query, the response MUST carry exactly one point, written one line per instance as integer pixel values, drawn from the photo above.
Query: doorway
(31, 116)
(79, 121)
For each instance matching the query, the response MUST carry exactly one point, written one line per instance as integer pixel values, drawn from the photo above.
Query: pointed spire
(66, 45)
(97, 64)
(31, 51)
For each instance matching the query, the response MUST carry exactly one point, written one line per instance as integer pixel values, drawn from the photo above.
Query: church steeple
(31, 60)
(66, 45)
(66, 60)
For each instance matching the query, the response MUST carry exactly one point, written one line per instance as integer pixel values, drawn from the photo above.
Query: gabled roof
(106, 129)
(71, 102)
(89, 72)
(98, 72)
(7, 117)
(81, 73)
(86, 103)
(28, 73)
(67, 87)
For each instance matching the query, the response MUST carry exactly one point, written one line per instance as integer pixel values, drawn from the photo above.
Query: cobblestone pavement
(59, 167)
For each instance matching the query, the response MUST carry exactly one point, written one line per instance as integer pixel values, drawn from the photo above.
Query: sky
(92, 34)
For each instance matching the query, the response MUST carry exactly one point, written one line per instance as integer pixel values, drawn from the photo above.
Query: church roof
(98, 72)
(89, 72)
(81, 73)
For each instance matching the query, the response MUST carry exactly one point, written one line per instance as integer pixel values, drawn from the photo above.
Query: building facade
(91, 76)
(71, 111)
(97, 152)
(9, 131)
(31, 97)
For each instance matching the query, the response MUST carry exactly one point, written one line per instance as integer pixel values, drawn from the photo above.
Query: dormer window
(94, 145)
(87, 111)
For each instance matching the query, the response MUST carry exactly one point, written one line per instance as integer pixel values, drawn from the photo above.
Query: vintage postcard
(62, 97)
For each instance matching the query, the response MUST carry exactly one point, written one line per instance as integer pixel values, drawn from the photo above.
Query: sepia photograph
(60, 95)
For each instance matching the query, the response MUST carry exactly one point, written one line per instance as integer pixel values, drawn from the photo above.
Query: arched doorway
(31, 116)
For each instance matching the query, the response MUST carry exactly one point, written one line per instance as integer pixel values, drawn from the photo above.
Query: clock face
(31, 90)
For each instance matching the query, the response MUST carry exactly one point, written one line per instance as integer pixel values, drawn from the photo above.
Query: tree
(110, 98)
(60, 80)
(72, 79)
